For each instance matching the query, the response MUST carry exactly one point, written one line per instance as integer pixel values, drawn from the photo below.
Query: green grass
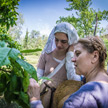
(32, 59)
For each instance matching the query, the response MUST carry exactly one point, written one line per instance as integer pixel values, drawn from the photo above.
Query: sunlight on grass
(32, 59)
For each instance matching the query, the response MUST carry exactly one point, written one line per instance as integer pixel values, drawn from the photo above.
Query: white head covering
(63, 27)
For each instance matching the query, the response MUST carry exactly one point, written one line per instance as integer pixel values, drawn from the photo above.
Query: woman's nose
(59, 43)
(73, 59)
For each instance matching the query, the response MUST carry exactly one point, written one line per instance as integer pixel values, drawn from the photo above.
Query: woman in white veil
(55, 60)
(50, 47)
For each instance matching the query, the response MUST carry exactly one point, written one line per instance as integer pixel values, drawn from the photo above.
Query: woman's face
(61, 41)
(82, 60)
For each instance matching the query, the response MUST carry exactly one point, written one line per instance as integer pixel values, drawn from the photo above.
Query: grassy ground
(32, 59)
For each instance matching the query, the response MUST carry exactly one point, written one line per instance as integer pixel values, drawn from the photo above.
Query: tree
(107, 29)
(14, 71)
(8, 13)
(84, 19)
(16, 31)
(34, 34)
(34, 41)
(26, 39)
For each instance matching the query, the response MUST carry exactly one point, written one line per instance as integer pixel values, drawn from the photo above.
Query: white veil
(63, 27)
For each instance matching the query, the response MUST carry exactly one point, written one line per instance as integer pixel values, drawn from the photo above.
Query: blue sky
(41, 15)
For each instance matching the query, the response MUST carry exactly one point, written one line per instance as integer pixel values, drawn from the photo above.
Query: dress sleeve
(36, 104)
(71, 74)
(83, 98)
(40, 72)
(41, 62)
(107, 67)
(41, 66)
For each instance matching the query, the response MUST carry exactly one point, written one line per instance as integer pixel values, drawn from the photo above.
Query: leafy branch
(14, 83)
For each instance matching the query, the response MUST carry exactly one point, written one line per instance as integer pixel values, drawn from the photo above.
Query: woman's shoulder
(94, 88)
(46, 54)
(88, 95)
(94, 83)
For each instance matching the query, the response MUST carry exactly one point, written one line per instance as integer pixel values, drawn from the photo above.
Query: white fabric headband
(63, 27)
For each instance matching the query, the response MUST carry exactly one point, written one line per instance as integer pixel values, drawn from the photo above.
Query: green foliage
(34, 40)
(3, 104)
(8, 14)
(14, 75)
(8, 39)
(84, 17)
(34, 43)
(16, 31)
(42, 79)
(34, 34)
(14, 71)
(79, 5)
(26, 39)
(106, 44)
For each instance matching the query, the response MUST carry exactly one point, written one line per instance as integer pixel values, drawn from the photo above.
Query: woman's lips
(60, 48)
(75, 65)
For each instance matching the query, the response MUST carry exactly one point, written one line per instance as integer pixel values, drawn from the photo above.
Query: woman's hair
(95, 43)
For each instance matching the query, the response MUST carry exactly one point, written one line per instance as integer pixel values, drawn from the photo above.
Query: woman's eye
(56, 40)
(77, 54)
(63, 41)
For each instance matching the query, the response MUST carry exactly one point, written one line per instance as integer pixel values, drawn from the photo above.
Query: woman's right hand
(71, 48)
(33, 90)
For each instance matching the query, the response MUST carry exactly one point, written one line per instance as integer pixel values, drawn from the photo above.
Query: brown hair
(95, 43)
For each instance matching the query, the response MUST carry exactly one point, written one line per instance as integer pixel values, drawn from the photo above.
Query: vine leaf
(4, 56)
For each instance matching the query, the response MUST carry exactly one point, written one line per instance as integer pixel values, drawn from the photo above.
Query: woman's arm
(71, 74)
(34, 94)
(41, 66)
(40, 72)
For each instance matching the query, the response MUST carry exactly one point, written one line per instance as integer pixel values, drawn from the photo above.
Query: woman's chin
(78, 73)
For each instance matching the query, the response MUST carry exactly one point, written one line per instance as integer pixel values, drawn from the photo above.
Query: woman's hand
(33, 90)
(71, 48)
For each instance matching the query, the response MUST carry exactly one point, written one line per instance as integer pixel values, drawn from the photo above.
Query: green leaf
(13, 83)
(14, 53)
(4, 56)
(28, 68)
(2, 87)
(1, 20)
(8, 52)
(2, 44)
(24, 100)
(8, 25)
(10, 96)
(31, 50)
(45, 78)
(25, 81)
(24, 97)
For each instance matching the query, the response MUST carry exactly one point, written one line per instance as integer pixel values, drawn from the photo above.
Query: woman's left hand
(33, 90)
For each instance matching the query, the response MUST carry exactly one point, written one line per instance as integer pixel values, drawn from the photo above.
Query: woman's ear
(95, 56)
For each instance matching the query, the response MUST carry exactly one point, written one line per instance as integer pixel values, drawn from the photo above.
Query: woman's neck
(90, 76)
(59, 54)
(97, 75)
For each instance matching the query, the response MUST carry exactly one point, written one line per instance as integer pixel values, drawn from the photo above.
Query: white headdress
(63, 27)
